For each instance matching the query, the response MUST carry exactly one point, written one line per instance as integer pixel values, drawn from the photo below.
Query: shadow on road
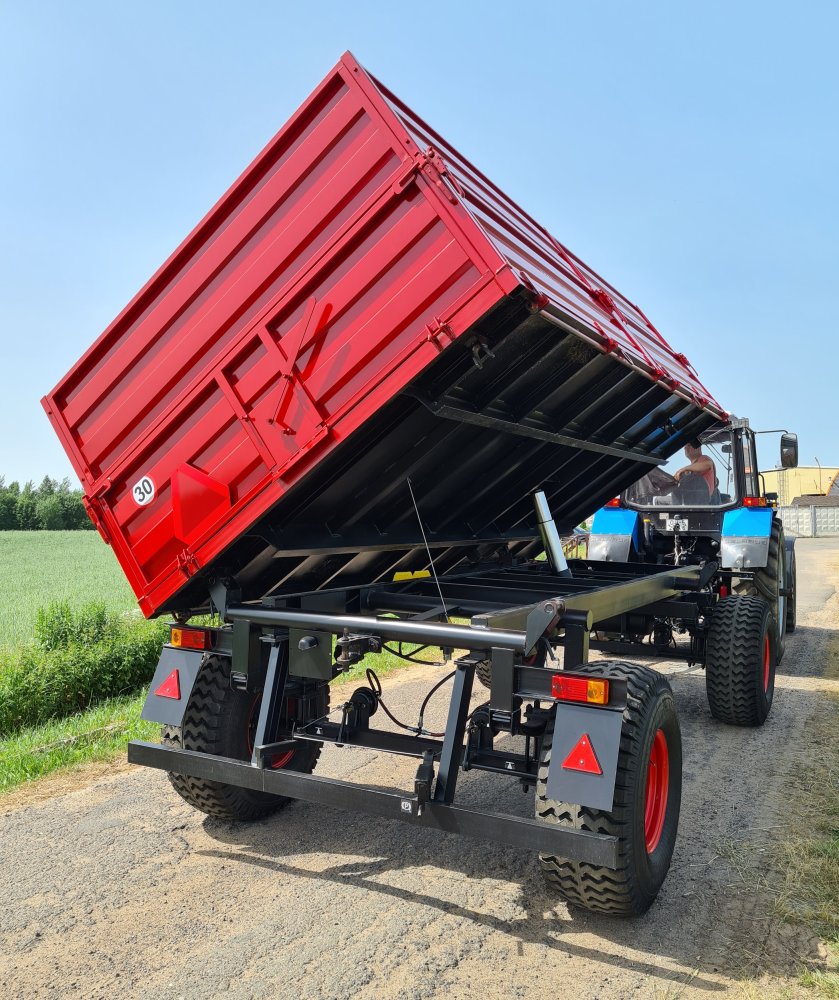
(723, 799)
(540, 926)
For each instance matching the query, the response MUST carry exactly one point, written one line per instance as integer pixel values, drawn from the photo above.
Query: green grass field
(37, 567)
(100, 733)
(41, 567)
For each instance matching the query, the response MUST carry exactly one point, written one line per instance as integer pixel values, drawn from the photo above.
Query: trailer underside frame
(521, 616)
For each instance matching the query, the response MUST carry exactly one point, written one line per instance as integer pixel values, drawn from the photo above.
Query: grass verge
(37, 567)
(64, 673)
(102, 733)
(810, 864)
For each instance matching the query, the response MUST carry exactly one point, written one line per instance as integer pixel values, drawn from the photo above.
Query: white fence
(810, 521)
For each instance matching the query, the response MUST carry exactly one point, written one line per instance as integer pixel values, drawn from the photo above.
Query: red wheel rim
(766, 662)
(253, 717)
(658, 783)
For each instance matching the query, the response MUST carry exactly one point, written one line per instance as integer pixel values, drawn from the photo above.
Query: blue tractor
(714, 512)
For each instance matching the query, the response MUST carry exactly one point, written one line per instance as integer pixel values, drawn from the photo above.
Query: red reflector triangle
(583, 757)
(171, 687)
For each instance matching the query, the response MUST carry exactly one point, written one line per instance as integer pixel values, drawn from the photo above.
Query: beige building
(806, 479)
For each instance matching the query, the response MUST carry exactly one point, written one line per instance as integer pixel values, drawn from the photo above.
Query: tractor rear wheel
(740, 661)
(791, 585)
(221, 720)
(645, 812)
(769, 582)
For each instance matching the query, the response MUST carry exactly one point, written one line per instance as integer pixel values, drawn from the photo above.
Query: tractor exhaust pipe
(550, 536)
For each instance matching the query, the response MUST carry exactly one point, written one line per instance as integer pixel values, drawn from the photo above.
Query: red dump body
(343, 262)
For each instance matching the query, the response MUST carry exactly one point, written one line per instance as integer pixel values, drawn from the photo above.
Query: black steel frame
(520, 616)
(533, 834)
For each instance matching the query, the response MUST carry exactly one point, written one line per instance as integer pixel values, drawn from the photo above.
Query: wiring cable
(418, 730)
(411, 657)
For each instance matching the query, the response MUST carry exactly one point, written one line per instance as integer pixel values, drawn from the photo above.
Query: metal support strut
(452, 752)
(271, 706)
(550, 536)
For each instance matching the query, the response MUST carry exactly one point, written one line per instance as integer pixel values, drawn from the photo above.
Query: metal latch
(423, 780)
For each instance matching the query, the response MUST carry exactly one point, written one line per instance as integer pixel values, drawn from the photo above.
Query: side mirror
(789, 451)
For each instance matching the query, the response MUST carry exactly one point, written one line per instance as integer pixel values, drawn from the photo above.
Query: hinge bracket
(188, 563)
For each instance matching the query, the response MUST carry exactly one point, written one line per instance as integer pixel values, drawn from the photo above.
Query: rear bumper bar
(499, 828)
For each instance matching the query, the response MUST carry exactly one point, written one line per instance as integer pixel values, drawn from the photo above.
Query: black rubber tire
(483, 671)
(216, 721)
(734, 667)
(791, 587)
(767, 582)
(631, 888)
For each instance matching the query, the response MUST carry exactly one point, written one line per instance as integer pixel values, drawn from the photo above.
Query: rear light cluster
(615, 502)
(189, 638)
(755, 502)
(594, 691)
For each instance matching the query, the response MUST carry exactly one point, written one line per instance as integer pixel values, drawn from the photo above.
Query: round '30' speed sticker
(143, 491)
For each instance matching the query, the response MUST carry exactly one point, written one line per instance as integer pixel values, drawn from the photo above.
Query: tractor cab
(676, 515)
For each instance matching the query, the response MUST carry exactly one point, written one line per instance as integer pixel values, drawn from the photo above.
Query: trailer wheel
(791, 588)
(740, 661)
(220, 719)
(483, 671)
(645, 813)
(768, 583)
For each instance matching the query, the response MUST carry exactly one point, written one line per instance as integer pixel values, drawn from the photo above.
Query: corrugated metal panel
(801, 481)
(571, 286)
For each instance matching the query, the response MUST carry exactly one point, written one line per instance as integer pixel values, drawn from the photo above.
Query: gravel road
(112, 887)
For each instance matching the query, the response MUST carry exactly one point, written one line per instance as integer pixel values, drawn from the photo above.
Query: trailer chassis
(521, 617)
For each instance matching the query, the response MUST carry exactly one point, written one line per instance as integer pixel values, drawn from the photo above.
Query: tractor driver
(698, 479)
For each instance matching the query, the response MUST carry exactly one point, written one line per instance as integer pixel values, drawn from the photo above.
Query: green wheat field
(37, 567)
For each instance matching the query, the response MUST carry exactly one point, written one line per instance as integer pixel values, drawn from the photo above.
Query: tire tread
(605, 890)
(205, 729)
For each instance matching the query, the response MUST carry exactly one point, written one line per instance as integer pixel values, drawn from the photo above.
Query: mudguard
(172, 685)
(614, 532)
(587, 731)
(744, 542)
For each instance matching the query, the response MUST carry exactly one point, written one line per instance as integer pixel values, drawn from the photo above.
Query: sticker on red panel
(143, 491)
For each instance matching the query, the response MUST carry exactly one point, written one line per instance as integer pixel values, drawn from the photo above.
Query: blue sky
(689, 153)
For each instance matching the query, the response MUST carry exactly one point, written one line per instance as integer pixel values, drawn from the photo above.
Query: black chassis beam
(601, 603)
(516, 629)
(528, 683)
(533, 834)
(581, 604)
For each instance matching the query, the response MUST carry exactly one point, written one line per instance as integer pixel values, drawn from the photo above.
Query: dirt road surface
(114, 888)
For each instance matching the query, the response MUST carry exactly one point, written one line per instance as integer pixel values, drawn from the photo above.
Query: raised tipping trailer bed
(354, 311)
(365, 362)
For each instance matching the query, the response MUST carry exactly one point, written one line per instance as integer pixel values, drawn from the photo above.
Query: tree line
(51, 506)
